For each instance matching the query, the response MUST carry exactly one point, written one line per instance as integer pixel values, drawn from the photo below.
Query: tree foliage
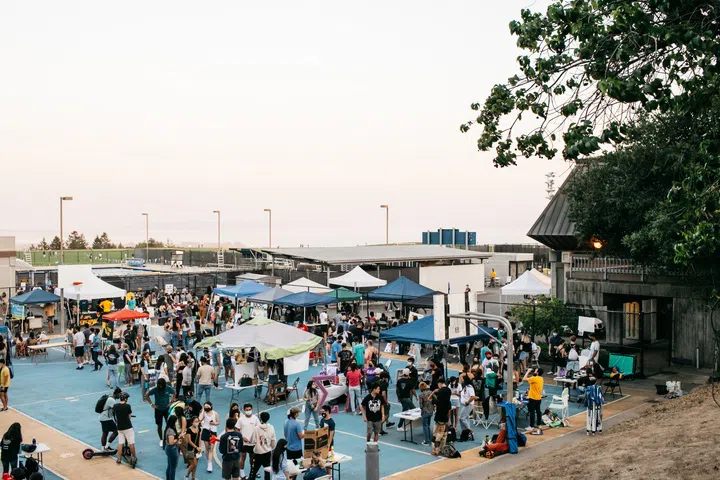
(102, 241)
(43, 245)
(152, 243)
(55, 244)
(544, 314)
(76, 241)
(590, 66)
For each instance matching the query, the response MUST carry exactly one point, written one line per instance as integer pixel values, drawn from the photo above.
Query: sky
(321, 111)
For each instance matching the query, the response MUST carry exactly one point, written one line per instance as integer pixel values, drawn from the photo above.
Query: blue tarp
(247, 288)
(305, 299)
(34, 297)
(422, 331)
(511, 425)
(401, 289)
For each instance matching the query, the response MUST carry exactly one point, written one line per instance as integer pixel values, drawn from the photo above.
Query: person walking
(111, 358)
(230, 448)
(162, 393)
(192, 448)
(5, 377)
(107, 422)
(247, 425)
(311, 398)
(264, 445)
(10, 447)
(78, 341)
(126, 434)
(170, 437)
(373, 412)
(209, 420)
(96, 349)
(205, 377)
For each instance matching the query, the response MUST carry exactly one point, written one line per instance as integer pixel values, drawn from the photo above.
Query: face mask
(207, 409)
(248, 413)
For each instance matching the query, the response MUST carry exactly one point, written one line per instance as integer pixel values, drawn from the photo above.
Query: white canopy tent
(305, 285)
(80, 283)
(357, 278)
(528, 283)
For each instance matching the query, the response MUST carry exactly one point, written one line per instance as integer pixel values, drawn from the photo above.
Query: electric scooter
(90, 453)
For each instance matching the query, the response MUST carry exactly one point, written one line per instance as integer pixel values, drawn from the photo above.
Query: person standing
(96, 349)
(594, 349)
(5, 377)
(373, 412)
(205, 378)
(265, 443)
(107, 422)
(555, 342)
(78, 341)
(294, 435)
(170, 442)
(443, 405)
(10, 447)
(534, 378)
(353, 377)
(311, 398)
(493, 276)
(209, 421)
(111, 358)
(405, 393)
(467, 402)
(279, 467)
(359, 352)
(327, 421)
(126, 434)
(231, 444)
(426, 411)
(247, 424)
(162, 393)
(414, 376)
(192, 447)
(384, 383)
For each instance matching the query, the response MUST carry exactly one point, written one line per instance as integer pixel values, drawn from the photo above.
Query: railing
(589, 266)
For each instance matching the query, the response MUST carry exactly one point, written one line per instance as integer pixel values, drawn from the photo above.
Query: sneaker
(390, 424)
(209, 469)
(161, 444)
(426, 443)
(383, 432)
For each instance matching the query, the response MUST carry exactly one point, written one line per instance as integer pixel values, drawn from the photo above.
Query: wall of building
(7, 266)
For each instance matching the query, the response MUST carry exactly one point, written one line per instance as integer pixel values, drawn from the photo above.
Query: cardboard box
(316, 441)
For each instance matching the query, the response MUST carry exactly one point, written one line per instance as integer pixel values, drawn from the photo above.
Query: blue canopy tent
(399, 290)
(305, 299)
(248, 288)
(422, 331)
(35, 297)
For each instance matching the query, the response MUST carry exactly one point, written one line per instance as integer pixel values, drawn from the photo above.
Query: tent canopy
(527, 284)
(270, 296)
(34, 297)
(357, 278)
(272, 339)
(305, 299)
(124, 315)
(399, 290)
(342, 294)
(305, 285)
(423, 331)
(425, 301)
(91, 287)
(245, 289)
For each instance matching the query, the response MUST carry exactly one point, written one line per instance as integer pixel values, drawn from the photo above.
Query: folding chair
(493, 414)
(293, 388)
(560, 404)
(612, 383)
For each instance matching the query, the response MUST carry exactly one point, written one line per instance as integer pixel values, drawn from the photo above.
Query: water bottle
(33, 441)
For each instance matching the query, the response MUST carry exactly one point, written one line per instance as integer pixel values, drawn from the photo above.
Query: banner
(17, 311)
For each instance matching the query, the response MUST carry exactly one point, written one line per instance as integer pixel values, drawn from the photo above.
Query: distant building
(449, 236)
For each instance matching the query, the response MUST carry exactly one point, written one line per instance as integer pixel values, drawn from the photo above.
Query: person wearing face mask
(234, 412)
(247, 424)
(209, 422)
(192, 447)
(266, 440)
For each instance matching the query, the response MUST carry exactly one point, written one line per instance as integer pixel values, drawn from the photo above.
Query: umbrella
(124, 315)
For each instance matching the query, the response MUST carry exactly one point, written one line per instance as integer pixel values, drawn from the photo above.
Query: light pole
(147, 237)
(218, 214)
(62, 249)
(387, 223)
(269, 226)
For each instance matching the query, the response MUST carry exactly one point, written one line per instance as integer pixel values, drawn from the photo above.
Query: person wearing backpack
(104, 407)
(5, 376)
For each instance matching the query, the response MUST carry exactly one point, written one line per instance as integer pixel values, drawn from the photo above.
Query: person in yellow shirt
(492, 277)
(106, 305)
(533, 376)
(4, 384)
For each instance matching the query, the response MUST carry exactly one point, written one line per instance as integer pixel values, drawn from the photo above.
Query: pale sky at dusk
(321, 111)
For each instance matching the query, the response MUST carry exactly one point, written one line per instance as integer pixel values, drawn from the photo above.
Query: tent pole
(62, 311)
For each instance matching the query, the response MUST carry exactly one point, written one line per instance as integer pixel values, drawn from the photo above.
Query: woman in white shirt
(467, 403)
(209, 420)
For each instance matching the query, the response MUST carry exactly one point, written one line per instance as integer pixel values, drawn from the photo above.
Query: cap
(294, 410)
(406, 371)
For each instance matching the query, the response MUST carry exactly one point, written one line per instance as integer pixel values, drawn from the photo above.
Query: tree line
(77, 241)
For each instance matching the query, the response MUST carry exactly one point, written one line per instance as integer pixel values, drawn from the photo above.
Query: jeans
(186, 340)
(8, 465)
(174, 340)
(96, 361)
(427, 430)
(407, 404)
(258, 389)
(172, 461)
(464, 417)
(128, 373)
(206, 390)
(355, 398)
(534, 410)
(113, 373)
(310, 412)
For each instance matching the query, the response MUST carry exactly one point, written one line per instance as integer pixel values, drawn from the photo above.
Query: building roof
(553, 227)
(372, 254)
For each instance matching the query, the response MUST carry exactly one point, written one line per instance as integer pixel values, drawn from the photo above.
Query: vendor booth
(305, 285)
(246, 289)
(19, 304)
(304, 300)
(357, 278)
(342, 294)
(399, 290)
(78, 282)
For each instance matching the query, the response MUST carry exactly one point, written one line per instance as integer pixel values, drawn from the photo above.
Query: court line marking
(106, 391)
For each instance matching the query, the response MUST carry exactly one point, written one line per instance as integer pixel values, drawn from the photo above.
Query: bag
(245, 381)
(521, 439)
(467, 435)
(451, 435)
(448, 451)
(100, 405)
(570, 374)
(31, 466)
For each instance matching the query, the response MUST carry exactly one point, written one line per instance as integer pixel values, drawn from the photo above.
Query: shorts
(273, 380)
(524, 356)
(374, 427)
(79, 352)
(250, 449)
(108, 426)
(231, 469)
(294, 454)
(4, 389)
(126, 435)
(439, 432)
(160, 415)
(205, 434)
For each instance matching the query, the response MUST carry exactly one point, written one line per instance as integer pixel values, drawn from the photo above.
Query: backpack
(31, 466)
(451, 435)
(100, 405)
(449, 451)
(467, 435)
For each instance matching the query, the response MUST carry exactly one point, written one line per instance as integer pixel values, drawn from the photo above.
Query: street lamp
(147, 237)
(387, 223)
(218, 214)
(269, 226)
(62, 249)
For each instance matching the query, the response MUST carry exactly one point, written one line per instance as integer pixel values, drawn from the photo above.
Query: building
(661, 316)
(7, 266)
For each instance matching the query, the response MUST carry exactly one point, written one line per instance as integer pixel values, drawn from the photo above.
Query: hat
(406, 371)
(293, 410)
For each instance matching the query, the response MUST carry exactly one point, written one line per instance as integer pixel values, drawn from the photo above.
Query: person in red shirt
(302, 326)
(353, 377)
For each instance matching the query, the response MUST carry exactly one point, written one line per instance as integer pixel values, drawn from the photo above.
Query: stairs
(28, 256)
(221, 258)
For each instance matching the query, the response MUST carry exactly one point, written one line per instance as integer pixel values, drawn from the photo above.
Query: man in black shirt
(373, 412)
(326, 420)
(413, 372)
(383, 382)
(344, 358)
(436, 373)
(123, 412)
(231, 444)
(441, 399)
(405, 392)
